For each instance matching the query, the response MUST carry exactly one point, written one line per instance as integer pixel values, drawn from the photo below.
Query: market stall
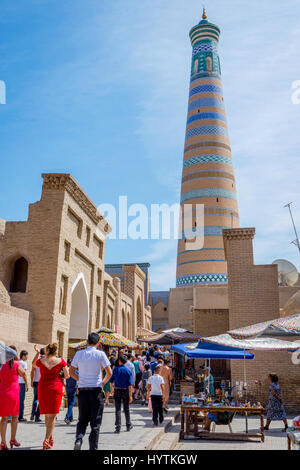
(109, 338)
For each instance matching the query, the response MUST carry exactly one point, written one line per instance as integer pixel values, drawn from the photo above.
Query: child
(156, 387)
(145, 376)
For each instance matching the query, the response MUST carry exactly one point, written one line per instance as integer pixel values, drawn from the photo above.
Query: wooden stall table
(189, 414)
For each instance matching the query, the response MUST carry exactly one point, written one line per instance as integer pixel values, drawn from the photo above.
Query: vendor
(209, 382)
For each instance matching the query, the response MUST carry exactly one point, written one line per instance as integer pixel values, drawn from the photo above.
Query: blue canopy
(211, 351)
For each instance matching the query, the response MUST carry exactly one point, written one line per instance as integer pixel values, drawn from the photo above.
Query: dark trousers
(157, 407)
(90, 404)
(35, 411)
(122, 396)
(22, 399)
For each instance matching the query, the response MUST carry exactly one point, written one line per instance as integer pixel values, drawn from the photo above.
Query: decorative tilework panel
(205, 46)
(209, 88)
(202, 116)
(206, 102)
(202, 279)
(207, 159)
(208, 192)
(206, 130)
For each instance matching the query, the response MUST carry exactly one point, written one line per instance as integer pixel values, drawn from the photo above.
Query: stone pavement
(275, 439)
(31, 435)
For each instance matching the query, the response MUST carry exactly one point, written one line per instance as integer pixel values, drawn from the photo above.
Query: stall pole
(246, 387)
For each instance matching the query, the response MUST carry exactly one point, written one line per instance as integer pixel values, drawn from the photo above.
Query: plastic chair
(223, 423)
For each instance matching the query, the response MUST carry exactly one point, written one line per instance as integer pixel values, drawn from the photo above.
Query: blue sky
(99, 88)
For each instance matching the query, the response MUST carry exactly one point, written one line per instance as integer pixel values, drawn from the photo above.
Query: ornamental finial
(204, 17)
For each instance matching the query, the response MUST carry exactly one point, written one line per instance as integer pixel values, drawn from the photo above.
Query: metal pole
(246, 388)
(296, 242)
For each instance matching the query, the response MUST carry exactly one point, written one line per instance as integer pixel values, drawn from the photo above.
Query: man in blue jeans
(23, 385)
(123, 382)
(35, 378)
(71, 389)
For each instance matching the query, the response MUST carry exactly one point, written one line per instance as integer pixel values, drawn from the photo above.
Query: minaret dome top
(204, 31)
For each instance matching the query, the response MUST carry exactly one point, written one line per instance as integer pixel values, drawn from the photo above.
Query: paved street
(31, 435)
(275, 439)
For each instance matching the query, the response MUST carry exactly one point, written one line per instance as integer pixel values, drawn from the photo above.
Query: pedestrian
(130, 366)
(155, 391)
(145, 376)
(50, 388)
(10, 398)
(35, 378)
(89, 362)
(122, 380)
(166, 374)
(138, 376)
(107, 388)
(276, 411)
(23, 385)
(153, 361)
(71, 391)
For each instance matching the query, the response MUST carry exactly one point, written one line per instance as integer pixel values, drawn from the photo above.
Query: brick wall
(254, 297)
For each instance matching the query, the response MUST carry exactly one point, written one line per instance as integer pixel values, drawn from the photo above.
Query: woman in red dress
(50, 388)
(10, 399)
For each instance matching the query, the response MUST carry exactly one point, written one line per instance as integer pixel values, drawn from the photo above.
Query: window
(60, 341)
(98, 307)
(77, 220)
(196, 64)
(99, 277)
(88, 236)
(63, 295)
(209, 65)
(67, 251)
(99, 245)
(19, 276)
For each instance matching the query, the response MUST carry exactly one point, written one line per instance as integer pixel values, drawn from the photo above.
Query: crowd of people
(94, 377)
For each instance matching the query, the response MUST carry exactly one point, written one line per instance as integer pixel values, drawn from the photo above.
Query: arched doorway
(79, 320)
(19, 276)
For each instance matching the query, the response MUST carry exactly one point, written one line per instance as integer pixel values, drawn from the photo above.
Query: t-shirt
(24, 365)
(122, 377)
(37, 374)
(156, 381)
(90, 363)
(136, 367)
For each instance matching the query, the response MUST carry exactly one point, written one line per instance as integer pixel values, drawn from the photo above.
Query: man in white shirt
(89, 364)
(23, 385)
(35, 378)
(131, 367)
(156, 387)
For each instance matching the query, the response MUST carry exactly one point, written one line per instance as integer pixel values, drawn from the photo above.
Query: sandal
(46, 445)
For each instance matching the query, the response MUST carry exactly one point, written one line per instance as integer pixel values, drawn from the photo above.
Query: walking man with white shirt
(129, 365)
(89, 364)
(23, 385)
(35, 378)
(156, 387)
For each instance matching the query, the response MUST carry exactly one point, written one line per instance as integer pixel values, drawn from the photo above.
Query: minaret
(208, 176)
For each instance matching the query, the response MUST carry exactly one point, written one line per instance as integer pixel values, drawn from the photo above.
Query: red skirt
(50, 397)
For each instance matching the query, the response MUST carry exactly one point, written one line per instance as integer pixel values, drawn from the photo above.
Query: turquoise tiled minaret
(207, 176)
